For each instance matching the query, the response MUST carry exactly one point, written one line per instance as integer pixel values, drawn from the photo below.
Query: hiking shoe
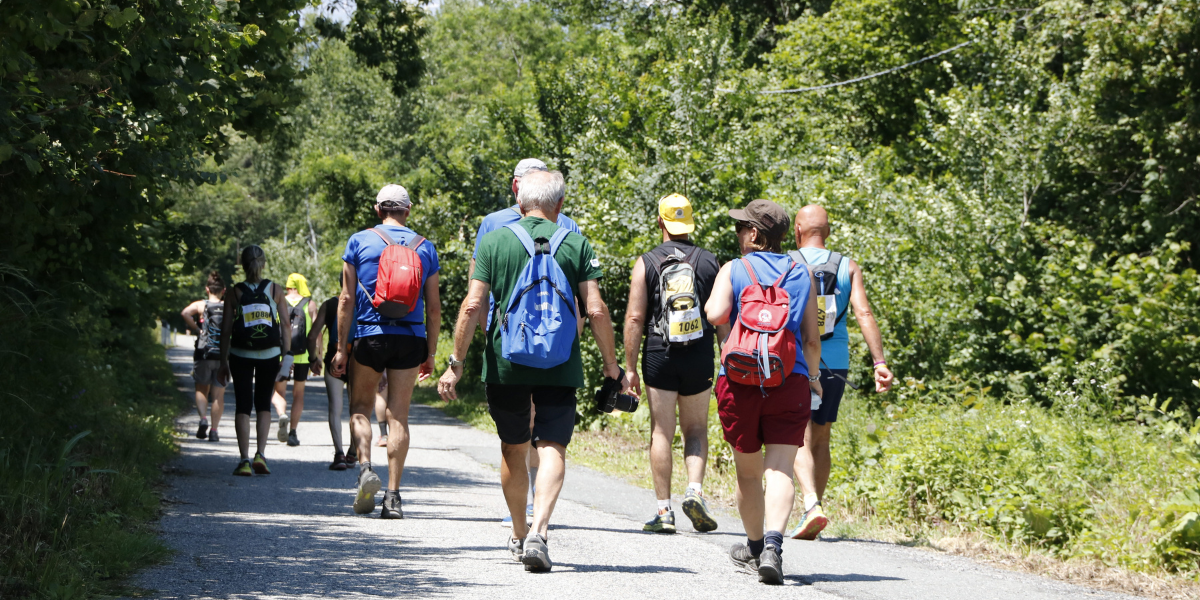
(537, 554)
(282, 434)
(352, 459)
(260, 464)
(202, 432)
(743, 559)
(243, 469)
(696, 509)
(292, 439)
(770, 566)
(517, 548)
(368, 486)
(810, 525)
(663, 522)
(339, 462)
(213, 437)
(391, 506)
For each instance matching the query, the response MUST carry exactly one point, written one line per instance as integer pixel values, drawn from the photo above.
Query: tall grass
(83, 430)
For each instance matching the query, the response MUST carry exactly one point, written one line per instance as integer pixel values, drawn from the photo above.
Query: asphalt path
(292, 534)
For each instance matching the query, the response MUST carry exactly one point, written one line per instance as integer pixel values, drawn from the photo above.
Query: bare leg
(693, 422)
(781, 492)
(549, 483)
(363, 382)
(812, 460)
(400, 389)
(297, 399)
(750, 492)
(514, 480)
(202, 391)
(241, 426)
(662, 435)
(217, 408)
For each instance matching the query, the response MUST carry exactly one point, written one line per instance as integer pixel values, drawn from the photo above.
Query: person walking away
(490, 223)
(251, 346)
(667, 292)
(541, 272)
(203, 319)
(335, 387)
(390, 293)
(295, 365)
(764, 389)
(840, 288)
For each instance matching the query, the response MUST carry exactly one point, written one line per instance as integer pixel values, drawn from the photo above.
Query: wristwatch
(814, 378)
(454, 362)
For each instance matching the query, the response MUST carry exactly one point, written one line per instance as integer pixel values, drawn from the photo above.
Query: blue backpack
(538, 328)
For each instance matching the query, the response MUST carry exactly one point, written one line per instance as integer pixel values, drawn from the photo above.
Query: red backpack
(398, 283)
(761, 350)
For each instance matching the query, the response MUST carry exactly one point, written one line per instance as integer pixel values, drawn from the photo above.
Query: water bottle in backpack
(538, 325)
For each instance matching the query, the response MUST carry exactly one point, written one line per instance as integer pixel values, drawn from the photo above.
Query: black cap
(764, 215)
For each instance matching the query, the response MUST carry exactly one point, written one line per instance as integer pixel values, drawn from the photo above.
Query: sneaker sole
(364, 501)
(811, 529)
(242, 474)
(769, 575)
(701, 520)
(536, 562)
(283, 429)
(291, 444)
(659, 529)
(744, 567)
(390, 515)
(263, 470)
(202, 432)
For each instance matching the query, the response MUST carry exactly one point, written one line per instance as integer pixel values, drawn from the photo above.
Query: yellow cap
(676, 213)
(297, 282)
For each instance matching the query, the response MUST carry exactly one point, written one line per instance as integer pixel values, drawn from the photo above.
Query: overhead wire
(856, 79)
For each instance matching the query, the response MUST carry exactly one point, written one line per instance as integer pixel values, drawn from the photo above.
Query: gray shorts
(205, 372)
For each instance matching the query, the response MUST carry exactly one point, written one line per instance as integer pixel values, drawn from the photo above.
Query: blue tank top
(835, 351)
(768, 266)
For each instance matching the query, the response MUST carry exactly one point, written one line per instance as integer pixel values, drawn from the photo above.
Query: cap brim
(739, 214)
(678, 228)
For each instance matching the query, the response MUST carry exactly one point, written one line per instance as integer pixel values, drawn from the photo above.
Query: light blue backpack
(538, 328)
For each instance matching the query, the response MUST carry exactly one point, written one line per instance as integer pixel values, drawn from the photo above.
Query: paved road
(292, 534)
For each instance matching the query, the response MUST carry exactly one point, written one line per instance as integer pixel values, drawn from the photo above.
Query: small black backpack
(825, 280)
(299, 328)
(256, 324)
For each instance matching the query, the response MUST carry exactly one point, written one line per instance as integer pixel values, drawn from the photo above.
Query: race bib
(685, 325)
(256, 314)
(826, 313)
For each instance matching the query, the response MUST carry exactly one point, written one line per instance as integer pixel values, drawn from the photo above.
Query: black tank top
(704, 264)
(330, 307)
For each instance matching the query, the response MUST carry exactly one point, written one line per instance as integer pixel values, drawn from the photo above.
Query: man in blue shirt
(405, 345)
(812, 461)
(499, 220)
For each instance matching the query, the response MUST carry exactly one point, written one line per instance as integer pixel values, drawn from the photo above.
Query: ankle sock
(755, 546)
(695, 487)
(810, 500)
(664, 505)
(532, 485)
(775, 539)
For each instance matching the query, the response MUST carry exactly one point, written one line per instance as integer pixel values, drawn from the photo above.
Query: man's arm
(720, 301)
(810, 336)
(433, 324)
(345, 319)
(635, 322)
(315, 337)
(464, 328)
(869, 327)
(189, 314)
(601, 323)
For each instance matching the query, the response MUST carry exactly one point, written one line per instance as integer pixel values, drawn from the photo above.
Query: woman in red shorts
(775, 417)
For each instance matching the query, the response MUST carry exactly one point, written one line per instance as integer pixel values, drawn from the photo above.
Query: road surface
(293, 534)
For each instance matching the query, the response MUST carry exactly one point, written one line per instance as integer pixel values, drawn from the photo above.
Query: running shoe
(202, 432)
(811, 524)
(368, 486)
(770, 566)
(743, 559)
(243, 469)
(537, 554)
(517, 548)
(260, 464)
(696, 509)
(292, 439)
(663, 522)
(352, 458)
(213, 437)
(391, 506)
(282, 434)
(382, 443)
(339, 462)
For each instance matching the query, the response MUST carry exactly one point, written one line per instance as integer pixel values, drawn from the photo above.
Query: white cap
(529, 164)
(393, 194)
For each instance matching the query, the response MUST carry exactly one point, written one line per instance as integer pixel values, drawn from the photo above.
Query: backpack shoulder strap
(798, 257)
(523, 237)
(557, 239)
(303, 304)
(415, 243)
(387, 239)
(835, 259)
(782, 276)
(750, 271)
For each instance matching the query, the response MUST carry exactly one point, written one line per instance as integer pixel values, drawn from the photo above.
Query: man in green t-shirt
(499, 260)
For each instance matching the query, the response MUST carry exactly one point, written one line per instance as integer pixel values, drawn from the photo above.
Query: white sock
(695, 487)
(532, 485)
(810, 500)
(664, 505)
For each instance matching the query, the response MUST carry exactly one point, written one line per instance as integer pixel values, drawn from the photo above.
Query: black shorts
(833, 387)
(390, 351)
(553, 421)
(687, 370)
